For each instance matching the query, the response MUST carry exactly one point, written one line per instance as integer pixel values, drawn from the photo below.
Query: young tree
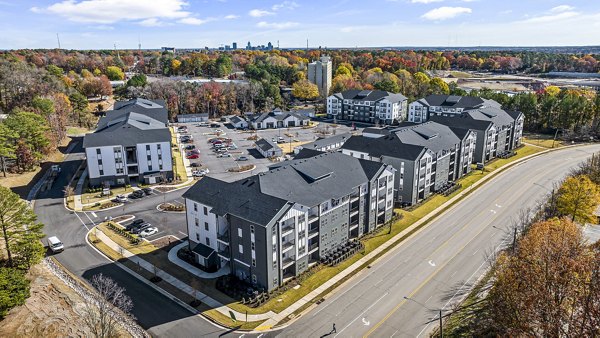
(14, 289)
(21, 233)
(114, 73)
(80, 105)
(578, 197)
(103, 311)
(138, 80)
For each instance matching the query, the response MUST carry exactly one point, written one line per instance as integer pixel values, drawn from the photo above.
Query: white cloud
(276, 25)
(562, 8)
(194, 21)
(285, 5)
(151, 22)
(424, 1)
(111, 11)
(552, 17)
(231, 16)
(444, 13)
(257, 13)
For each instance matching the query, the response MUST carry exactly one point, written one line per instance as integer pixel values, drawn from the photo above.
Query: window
(197, 222)
(99, 161)
(101, 172)
(254, 278)
(149, 158)
(240, 232)
(147, 147)
(252, 245)
(241, 249)
(150, 167)
(253, 262)
(158, 147)
(205, 210)
(195, 207)
(206, 226)
(197, 237)
(207, 241)
(97, 151)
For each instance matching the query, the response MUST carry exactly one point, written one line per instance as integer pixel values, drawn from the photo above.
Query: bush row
(119, 230)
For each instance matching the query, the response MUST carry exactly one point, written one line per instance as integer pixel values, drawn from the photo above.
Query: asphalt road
(436, 265)
(430, 267)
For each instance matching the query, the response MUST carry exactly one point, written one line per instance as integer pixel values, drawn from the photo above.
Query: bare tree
(104, 309)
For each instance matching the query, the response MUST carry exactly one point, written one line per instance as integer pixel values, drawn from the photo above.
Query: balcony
(288, 261)
(287, 229)
(224, 237)
(353, 213)
(313, 232)
(287, 245)
(224, 252)
(312, 218)
(313, 247)
(354, 198)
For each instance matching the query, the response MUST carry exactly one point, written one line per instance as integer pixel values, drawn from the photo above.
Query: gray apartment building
(426, 156)
(421, 110)
(371, 106)
(320, 73)
(272, 226)
(498, 131)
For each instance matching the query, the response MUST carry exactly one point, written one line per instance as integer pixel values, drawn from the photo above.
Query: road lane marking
(359, 316)
(366, 322)
(431, 263)
(498, 206)
(88, 216)
(94, 214)
(493, 211)
(475, 252)
(82, 222)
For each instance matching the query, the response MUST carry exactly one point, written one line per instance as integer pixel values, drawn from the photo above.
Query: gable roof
(127, 129)
(236, 119)
(327, 141)
(241, 198)
(152, 108)
(389, 145)
(280, 116)
(432, 135)
(307, 153)
(497, 116)
(370, 95)
(453, 101)
(266, 145)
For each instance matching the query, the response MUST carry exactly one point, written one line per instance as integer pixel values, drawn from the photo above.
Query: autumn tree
(305, 90)
(438, 86)
(114, 73)
(549, 287)
(29, 130)
(21, 233)
(578, 198)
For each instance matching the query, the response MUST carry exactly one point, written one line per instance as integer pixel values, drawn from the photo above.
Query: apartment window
(252, 245)
(147, 147)
(240, 232)
(207, 241)
(197, 222)
(206, 211)
(240, 249)
(99, 161)
(149, 158)
(206, 226)
(254, 278)
(101, 172)
(119, 170)
(252, 229)
(159, 156)
(158, 147)
(195, 207)
(160, 167)
(197, 237)
(149, 167)
(253, 262)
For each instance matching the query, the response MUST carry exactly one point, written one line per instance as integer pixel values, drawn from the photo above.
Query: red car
(192, 156)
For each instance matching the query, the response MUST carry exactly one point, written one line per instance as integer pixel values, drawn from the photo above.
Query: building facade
(320, 73)
(268, 148)
(274, 225)
(277, 119)
(131, 144)
(371, 106)
(445, 105)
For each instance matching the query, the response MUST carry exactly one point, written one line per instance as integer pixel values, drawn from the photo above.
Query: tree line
(548, 283)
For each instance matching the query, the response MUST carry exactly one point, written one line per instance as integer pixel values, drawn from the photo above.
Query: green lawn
(93, 197)
(179, 168)
(545, 141)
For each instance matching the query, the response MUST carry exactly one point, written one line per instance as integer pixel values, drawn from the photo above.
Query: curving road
(430, 267)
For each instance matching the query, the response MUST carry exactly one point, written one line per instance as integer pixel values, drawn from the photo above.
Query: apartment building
(371, 106)
(320, 73)
(426, 156)
(497, 131)
(445, 105)
(131, 144)
(272, 226)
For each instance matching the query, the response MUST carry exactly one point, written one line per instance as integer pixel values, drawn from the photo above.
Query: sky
(100, 24)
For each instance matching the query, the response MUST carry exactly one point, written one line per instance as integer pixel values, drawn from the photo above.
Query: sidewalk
(224, 310)
(192, 269)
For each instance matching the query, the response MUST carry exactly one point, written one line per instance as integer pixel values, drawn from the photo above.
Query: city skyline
(100, 24)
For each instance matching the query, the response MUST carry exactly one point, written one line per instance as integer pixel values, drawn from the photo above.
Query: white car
(148, 232)
(121, 199)
(223, 155)
(56, 168)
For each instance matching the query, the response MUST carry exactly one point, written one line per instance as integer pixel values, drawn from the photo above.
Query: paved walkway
(192, 269)
(180, 284)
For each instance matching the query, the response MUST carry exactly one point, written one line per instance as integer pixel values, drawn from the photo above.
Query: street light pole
(426, 307)
(441, 325)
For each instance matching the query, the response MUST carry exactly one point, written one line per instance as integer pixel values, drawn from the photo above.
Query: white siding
(108, 161)
(211, 219)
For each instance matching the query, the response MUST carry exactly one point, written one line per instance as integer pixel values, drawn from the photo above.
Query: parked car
(120, 199)
(141, 228)
(191, 156)
(221, 150)
(280, 140)
(194, 151)
(135, 224)
(219, 131)
(55, 244)
(215, 125)
(55, 168)
(190, 147)
(136, 194)
(147, 191)
(195, 164)
(232, 147)
(274, 140)
(203, 124)
(242, 158)
(197, 173)
(223, 155)
(148, 231)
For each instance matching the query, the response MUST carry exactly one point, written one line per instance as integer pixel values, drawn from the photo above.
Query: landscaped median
(323, 279)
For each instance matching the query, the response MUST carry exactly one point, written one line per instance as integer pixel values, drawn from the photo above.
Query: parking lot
(219, 166)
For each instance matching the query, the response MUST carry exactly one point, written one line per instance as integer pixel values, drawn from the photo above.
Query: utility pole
(514, 239)
(58, 39)
(441, 325)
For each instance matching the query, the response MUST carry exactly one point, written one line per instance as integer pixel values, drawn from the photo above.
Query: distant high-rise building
(269, 46)
(234, 46)
(248, 46)
(320, 73)
(168, 49)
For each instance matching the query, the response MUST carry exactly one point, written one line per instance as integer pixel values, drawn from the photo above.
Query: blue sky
(97, 24)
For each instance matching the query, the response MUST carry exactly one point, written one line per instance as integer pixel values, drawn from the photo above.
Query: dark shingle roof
(324, 142)
(236, 119)
(307, 153)
(155, 109)
(127, 129)
(280, 116)
(371, 168)
(389, 145)
(266, 145)
(497, 116)
(370, 95)
(463, 121)
(203, 250)
(452, 101)
(432, 135)
(241, 198)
